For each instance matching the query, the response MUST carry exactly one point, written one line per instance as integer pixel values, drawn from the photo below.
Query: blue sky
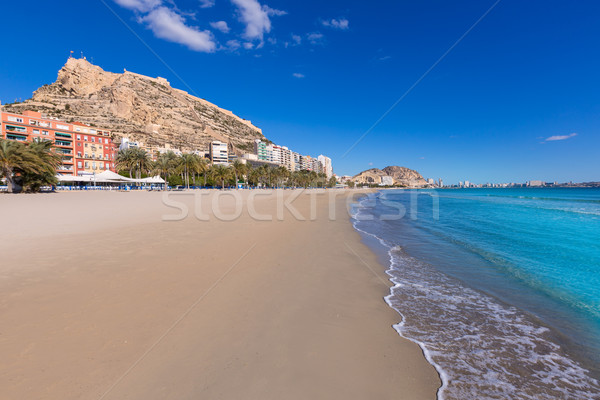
(316, 75)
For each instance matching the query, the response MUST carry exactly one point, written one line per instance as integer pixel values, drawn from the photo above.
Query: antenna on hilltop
(71, 54)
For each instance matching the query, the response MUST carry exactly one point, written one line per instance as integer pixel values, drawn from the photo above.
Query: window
(36, 131)
(63, 127)
(87, 164)
(78, 154)
(105, 141)
(86, 145)
(77, 129)
(94, 139)
(16, 128)
(44, 132)
(78, 137)
(85, 138)
(33, 122)
(15, 119)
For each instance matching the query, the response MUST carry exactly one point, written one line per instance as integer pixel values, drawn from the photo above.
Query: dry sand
(101, 299)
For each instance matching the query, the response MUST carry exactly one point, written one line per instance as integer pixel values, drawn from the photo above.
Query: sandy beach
(100, 298)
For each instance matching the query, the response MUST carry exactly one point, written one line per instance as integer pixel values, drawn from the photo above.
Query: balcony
(12, 128)
(63, 143)
(18, 138)
(65, 168)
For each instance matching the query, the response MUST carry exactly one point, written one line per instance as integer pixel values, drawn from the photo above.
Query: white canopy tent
(110, 177)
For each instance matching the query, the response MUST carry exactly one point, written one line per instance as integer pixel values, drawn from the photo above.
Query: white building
(326, 165)
(219, 153)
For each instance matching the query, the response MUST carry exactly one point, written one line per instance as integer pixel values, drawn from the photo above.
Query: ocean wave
(480, 347)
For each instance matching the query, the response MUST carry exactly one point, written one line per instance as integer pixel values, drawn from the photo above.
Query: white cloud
(139, 5)
(256, 18)
(167, 24)
(340, 23)
(297, 39)
(233, 44)
(298, 75)
(563, 137)
(207, 3)
(221, 26)
(315, 37)
(248, 45)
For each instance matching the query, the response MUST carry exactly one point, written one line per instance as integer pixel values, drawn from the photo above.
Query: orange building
(84, 149)
(94, 150)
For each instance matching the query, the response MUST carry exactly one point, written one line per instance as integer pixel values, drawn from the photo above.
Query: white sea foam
(481, 349)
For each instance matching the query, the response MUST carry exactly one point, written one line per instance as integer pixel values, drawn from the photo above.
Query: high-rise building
(219, 153)
(326, 165)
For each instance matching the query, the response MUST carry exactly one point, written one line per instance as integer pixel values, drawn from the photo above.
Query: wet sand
(101, 299)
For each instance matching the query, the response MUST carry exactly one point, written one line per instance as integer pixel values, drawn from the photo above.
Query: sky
(482, 90)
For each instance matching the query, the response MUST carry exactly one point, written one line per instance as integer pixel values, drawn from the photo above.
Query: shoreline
(519, 324)
(270, 309)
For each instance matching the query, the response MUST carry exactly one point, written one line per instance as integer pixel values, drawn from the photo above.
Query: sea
(499, 287)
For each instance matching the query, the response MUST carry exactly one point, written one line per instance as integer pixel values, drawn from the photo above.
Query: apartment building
(95, 151)
(326, 165)
(219, 153)
(83, 149)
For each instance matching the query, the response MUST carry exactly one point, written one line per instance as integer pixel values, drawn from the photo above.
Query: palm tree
(220, 173)
(188, 163)
(282, 174)
(239, 169)
(126, 161)
(14, 159)
(203, 167)
(164, 166)
(142, 161)
(48, 162)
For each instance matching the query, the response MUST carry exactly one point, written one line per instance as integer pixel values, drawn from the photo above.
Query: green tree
(48, 161)
(164, 166)
(220, 173)
(14, 159)
(239, 169)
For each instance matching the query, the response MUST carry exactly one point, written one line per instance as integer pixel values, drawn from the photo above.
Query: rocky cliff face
(401, 176)
(142, 108)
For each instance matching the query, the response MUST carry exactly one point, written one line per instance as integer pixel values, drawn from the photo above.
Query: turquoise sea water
(500, 287)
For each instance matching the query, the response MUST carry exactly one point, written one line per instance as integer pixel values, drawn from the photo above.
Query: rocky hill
(401, 176)
(142, 108)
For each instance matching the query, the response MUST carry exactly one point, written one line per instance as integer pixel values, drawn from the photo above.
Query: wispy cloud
(169, 25)
(560, 137)
(221, 26)
(207, 3)
(298, 75)
(315, 37)
(297, 39)
(339, 23)
(256, 17)
(233, 44)
(139, 5)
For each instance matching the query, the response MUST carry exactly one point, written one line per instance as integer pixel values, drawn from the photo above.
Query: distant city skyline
(515, 100)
